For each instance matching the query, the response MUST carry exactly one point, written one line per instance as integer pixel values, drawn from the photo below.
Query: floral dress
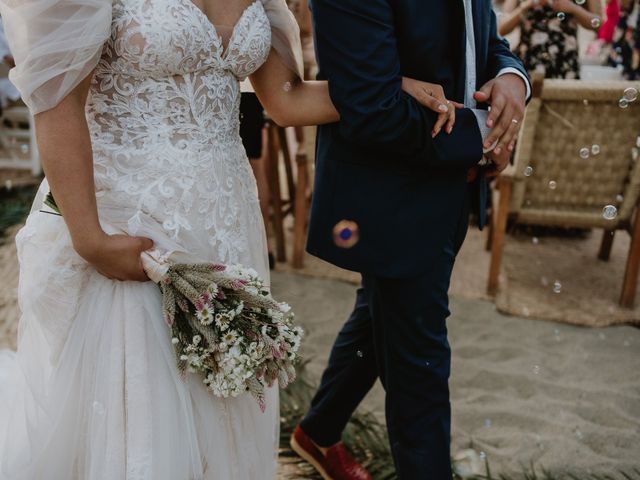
(549, 43)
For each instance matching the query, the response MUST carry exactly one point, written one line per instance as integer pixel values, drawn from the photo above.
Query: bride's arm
(67, 159)
(293, 102)
(290, 101)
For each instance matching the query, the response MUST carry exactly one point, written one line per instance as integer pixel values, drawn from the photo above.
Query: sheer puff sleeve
(55, 43)
(285, 35)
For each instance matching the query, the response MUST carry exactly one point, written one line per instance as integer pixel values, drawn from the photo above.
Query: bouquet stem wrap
(226, 326)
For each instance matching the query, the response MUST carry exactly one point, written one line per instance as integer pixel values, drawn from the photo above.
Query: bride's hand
(432, 96)
(116, 256)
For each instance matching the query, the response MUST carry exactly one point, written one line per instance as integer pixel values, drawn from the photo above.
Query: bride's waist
(169, 151)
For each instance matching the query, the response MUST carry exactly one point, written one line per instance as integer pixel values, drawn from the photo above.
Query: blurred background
(546, 368)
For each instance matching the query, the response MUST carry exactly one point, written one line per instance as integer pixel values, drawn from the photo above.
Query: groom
(393, 203)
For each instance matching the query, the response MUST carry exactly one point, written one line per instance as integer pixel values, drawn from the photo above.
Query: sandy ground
(564, 397)
(590, 288)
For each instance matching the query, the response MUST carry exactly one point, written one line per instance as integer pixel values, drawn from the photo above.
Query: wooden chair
(19, 149)
(297, 201)
(553, 182)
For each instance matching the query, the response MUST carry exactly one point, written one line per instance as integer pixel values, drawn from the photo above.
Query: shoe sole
(296, 447)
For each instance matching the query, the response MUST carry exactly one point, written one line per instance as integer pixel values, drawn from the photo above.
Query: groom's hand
(500, 162)
(507, 96)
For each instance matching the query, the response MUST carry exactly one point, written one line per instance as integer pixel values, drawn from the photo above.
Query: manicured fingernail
(498, 150)
(443, 108)
(511, 148)
(487, 144)
(449, 130)
(489, 123)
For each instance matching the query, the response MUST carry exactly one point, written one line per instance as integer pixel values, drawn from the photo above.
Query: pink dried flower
(216, 267)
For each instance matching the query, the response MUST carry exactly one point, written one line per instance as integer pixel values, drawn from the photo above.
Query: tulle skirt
(93, 392)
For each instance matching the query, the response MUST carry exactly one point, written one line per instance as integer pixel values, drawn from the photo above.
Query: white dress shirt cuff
(515, 71)
(481, 117)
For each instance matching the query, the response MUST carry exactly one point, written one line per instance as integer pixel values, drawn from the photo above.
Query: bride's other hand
(432, 96)
(67, 157)
(116, 256)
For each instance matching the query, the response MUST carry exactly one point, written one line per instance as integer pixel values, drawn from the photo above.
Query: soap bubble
(346, 234)
(630, 94)
(584, 153)
(596, 22)
(287, 86)
(557, 287)
(528, 171)
(609, 212)
(561, 16)
(623, 103)
(595, 149)
(553, 185)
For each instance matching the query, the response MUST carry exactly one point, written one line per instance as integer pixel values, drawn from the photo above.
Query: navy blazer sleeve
(499, 54)
(357, 52)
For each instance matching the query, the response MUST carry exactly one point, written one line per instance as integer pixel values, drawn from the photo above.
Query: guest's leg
(350, 374)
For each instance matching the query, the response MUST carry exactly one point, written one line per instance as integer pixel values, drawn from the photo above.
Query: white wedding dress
(93, 392)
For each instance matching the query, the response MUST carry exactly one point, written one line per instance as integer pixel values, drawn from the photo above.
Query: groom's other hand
(500, 162)
(507, 96)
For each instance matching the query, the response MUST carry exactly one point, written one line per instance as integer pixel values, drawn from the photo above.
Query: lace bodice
(164, 117)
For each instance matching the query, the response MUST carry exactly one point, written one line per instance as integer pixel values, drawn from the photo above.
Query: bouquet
(226, 326)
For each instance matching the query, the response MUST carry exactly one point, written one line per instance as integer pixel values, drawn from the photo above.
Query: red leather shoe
(337, 464)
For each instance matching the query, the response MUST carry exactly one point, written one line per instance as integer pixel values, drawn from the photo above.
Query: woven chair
(553, 183)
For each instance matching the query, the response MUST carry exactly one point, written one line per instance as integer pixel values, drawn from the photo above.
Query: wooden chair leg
(489, 227)
(288, 166)
(627, 299)
(301, 212)
(606, 245)
(273, 174)
(499, 233)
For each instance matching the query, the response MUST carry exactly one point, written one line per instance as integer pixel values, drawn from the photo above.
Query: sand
(565, 397)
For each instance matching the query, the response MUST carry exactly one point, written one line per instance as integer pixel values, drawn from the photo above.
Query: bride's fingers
(442, 120)
(451, 120)
(429, 100)
(458, 105)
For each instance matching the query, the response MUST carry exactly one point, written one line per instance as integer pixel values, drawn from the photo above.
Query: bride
(136, 107)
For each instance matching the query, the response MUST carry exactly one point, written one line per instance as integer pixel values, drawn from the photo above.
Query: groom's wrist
(523, 77)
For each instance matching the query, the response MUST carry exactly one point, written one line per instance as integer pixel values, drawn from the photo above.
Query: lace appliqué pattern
(164, 119)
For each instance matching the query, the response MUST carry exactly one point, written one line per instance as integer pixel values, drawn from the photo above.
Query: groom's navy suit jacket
(379, 166)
